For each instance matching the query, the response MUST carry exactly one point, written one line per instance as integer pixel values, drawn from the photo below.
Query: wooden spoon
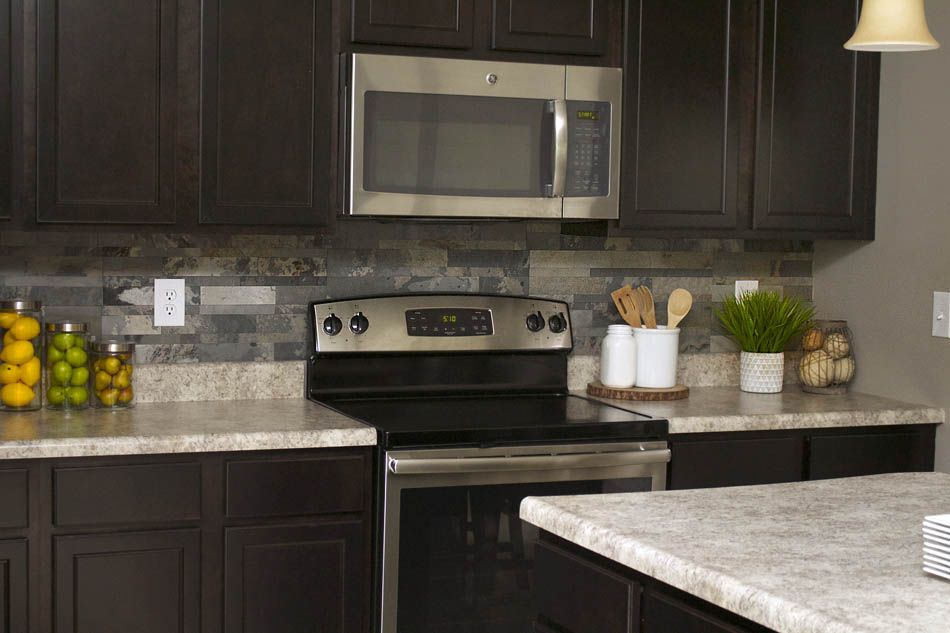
(678, 307)
(643, 298)
(625, 306)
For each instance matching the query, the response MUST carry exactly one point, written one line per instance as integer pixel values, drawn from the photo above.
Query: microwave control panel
(588, 149)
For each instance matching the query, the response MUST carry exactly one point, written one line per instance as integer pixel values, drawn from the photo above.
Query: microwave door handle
(560, 148)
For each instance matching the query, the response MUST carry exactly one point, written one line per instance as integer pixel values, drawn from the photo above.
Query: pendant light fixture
(891, 26)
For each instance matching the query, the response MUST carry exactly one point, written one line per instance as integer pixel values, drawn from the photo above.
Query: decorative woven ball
(837, 346)
(817, 369)
(844, 370)
(813, 340)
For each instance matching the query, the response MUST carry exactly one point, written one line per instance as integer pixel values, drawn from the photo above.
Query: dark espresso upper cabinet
(748, 119)
(578, 27)
(437, 23)
(816, 160)
(13, 586)
(266, 112)
(681, 114)
(106, 111)
(7, 17)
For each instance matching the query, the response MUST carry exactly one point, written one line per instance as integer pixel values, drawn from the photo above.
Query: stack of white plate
(937, 545)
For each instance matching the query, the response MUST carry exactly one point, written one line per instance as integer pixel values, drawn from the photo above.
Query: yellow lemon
(8, 338)
(16, 395)
(17, 352)
(25, 328)
(30, 372)
(9, 374)
(7, 319)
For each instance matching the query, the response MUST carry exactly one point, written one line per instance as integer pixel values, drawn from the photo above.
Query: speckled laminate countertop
(834, 556)
(180, 427)
(709, 409)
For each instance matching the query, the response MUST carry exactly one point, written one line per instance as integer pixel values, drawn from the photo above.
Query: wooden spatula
(644, 300)
(624, 301)
(678, 307)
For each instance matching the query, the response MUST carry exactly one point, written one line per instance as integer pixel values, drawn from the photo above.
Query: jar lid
(620, 329)
(66, 326)
(113, 346)
(21, 304)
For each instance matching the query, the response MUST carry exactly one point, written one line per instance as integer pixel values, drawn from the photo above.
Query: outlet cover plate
(169, 302)
(941, 314)
(746, 285)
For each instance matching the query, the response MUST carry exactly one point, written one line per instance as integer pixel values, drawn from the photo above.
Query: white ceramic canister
(658, 351)
(618, 357)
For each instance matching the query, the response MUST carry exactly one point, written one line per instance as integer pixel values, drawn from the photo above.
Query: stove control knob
(332, 325)
(359, 323)
(557, 323)
(535, 322)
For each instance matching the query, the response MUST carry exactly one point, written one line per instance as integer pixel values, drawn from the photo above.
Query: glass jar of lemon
(21, 371)
(67, 366)
(112, 369)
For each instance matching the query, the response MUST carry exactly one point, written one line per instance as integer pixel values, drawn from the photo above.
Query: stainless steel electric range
(469, 396)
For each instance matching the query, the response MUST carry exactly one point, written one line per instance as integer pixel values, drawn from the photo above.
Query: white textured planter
(761, 373)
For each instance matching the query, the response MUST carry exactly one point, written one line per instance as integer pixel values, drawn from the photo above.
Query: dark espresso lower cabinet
(293, 578)
(13, 586)
(147, 582)
(249, 542)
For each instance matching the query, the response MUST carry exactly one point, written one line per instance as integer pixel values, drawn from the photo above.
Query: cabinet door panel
(681, 114)
(106, 91)
(13, 498)
(438, 23)
(265, 115)
(663, 614)
(568, 26)
(6, 107)
(285, 579)
(13, 587)
(736, 462)
(816, 159)
(146, 582)
(870, 454)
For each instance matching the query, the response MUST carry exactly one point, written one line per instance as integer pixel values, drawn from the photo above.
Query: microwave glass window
(454, 145)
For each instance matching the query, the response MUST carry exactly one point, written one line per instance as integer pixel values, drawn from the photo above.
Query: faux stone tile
(235, 352)
(238, 295)
(292, 266)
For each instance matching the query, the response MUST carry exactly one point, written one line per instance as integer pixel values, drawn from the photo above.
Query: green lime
(80, 377)
(79, 341)
(75, 356)
(63, 341)
(53, 355)
(55, 395)
(77, 395)
(61, 372)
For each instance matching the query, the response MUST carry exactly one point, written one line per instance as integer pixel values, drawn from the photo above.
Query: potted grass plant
(763, 323)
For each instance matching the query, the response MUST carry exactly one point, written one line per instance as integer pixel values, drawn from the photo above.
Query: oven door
(455, 555)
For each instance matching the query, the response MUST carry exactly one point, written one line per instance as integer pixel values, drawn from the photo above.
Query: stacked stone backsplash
(246, 295)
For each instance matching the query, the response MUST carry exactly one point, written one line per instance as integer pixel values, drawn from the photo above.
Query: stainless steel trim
(507, 464)
(395, 483)
(66, 326)
(387, 324)
(589, 83)
(560, 147)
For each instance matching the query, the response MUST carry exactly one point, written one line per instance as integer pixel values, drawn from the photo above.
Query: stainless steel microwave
(430, 137)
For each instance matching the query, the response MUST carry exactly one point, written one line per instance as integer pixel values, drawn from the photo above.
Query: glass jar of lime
(21, 372)
(67, 366)
(112, 369)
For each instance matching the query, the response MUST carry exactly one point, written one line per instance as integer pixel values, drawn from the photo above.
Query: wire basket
(827, 363)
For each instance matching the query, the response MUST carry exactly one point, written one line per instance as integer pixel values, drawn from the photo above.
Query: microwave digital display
(588, 115)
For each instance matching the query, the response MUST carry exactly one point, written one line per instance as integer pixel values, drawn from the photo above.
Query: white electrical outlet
(169, 302)
(941, 315)
(746, 285)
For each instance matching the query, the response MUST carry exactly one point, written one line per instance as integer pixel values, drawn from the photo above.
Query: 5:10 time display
(449, 322)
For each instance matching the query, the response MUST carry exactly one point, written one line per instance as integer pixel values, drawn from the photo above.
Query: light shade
(892, 25)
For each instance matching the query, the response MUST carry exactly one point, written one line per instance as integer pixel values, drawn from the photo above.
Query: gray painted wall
(910, 258)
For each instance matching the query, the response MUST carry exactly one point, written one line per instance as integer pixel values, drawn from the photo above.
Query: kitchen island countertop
(714, 409)
(179, 427)
(833, 556)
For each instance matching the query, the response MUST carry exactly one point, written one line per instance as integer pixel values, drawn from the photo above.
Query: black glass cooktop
(496, 419)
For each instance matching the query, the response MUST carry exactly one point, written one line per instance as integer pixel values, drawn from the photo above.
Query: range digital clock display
(449, 322)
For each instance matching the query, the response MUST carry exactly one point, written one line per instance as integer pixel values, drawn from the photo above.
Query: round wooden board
(637, 393)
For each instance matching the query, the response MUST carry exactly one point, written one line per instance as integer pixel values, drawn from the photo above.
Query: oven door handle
(460, 465)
